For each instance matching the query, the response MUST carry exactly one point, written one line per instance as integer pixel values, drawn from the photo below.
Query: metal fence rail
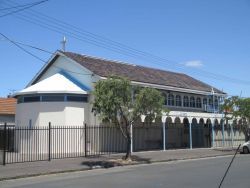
(27, 144)
(44, 143)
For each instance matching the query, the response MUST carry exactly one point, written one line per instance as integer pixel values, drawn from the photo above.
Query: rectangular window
(53, 98)
(20, 99)
(31, 99)
(77, 98)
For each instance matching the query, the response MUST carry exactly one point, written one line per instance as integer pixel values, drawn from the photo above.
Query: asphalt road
(200, 173)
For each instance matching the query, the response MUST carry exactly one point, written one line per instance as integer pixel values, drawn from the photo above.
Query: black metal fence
(27, 144)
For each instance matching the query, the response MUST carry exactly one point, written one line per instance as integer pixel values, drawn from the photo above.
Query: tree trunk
(128, 149)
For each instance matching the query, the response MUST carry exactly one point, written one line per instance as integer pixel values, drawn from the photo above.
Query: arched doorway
(197, 133)
(208, 133)
(218, 135)
(185, 138)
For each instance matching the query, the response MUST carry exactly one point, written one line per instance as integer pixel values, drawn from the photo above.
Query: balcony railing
(210, 108)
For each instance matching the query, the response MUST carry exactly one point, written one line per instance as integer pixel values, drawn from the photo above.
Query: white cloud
(194, 63)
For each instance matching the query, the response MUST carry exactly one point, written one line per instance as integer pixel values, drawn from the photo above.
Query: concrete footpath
(19, 170)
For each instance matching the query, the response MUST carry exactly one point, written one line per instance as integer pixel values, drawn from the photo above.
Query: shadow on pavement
(109, 163)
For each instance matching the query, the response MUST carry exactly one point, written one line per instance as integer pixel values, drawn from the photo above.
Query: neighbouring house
(7, 110)
(7, 116)
(60, 93)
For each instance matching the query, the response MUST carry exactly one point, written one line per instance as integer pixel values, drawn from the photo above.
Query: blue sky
(208, 40)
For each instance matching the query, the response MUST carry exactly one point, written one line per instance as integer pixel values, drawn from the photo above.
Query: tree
(228, 107)
(149, 102)
(235, 107)
(114, 102)
(243, 111)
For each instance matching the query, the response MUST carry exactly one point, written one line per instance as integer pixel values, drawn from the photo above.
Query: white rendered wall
(58, 113)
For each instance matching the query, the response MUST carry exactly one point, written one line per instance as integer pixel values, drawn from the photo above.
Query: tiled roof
(7, 106)
(138, 73)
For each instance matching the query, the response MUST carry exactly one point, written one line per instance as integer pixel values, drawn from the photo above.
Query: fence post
(232, 139)
(49, 149)
(164, 135)
(213, 143)
(85, 140)
(190, 136)
(4, 143)
(223, 134)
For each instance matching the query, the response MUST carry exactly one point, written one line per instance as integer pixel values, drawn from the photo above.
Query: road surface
(201, 173)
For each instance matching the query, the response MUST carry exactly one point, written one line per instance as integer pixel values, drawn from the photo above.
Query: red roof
(8, 106)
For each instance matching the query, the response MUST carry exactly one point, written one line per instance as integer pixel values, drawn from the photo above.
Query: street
(192, 173)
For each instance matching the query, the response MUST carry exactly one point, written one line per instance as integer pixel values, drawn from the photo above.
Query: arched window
(216, 104)
(192, 102)
(165, 98)
(178, 100)
(171, 100)
(185, 101)
(198, 102)
(210, 102)
(204, 101)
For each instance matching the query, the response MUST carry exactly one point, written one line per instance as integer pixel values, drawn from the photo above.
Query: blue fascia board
(75, 81)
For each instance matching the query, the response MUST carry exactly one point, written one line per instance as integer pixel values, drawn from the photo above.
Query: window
(52, 98)
(204, 101)
(165, 98)
(198, 102)
(178, 100)
(185, 101)
(20, 99)
(216, 104)
(31, 99)
(77, 98)
(192, 102)
(210, 102)
(171, 100)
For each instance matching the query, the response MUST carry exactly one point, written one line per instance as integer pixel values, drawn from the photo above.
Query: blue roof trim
(76, 82)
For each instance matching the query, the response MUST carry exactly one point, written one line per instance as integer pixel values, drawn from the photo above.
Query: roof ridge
(100, 58)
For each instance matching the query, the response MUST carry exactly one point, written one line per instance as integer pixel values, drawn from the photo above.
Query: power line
(58, 22)
(14, 7)
(30, 46)
(98, 44)
(43, 50)
(61, 27)
(38, 58)
(21, 9)
(23, 49)
(34, 47)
